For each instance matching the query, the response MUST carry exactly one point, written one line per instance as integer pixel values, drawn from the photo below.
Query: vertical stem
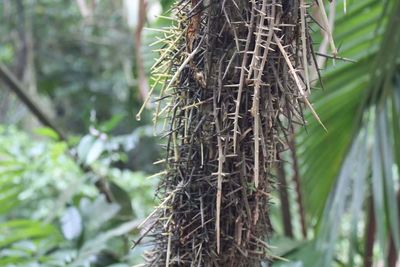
(256, 102)
(142, 80)
(242, 79)
(296, 180)
(23, 50)
(304, 43)
(221, 159)
(370, 235)
(393, 254)
(284, 198)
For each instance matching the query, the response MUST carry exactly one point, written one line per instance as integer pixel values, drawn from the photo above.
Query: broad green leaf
(95, 151)
(84, 146)
(18, 230)
(109, 125)
(47, 132)
(71, 223)
(98, 212)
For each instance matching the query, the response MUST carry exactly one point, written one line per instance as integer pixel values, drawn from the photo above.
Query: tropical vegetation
(78, 199)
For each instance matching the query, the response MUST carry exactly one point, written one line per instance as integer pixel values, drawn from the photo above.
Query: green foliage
(51, 213)
(358, 158)
(85, 66)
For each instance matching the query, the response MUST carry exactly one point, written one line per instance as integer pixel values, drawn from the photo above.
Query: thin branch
(304, 43)
(11, 81)
(143, 84)
(242, 79)
(327, 27)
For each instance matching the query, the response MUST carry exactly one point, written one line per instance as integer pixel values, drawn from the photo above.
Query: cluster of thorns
(234, 77)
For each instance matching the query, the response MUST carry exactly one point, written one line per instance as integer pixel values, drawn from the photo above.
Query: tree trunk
(236, 82)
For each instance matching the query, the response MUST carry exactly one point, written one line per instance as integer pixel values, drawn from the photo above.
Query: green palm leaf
(358, 155)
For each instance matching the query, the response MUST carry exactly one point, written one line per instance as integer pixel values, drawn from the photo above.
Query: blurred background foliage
(77, 61)
(78, 202)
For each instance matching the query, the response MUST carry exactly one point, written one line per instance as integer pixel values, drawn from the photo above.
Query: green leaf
(47, 132)
(16, 230)
(109, 125)
(71, 223)
(84, 146)
(95, 151)
(96, 213)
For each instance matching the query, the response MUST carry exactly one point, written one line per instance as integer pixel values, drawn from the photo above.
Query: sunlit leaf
(71, 223)
(95, 151)
(47, 132)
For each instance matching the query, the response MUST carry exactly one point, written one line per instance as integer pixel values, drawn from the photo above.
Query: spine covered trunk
(235, 76)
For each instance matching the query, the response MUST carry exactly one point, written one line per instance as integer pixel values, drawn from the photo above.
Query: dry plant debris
(234, 77)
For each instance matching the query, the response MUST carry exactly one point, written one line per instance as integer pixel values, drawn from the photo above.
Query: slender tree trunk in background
(25, 65)
(29, 75)
(393, 255)
(142, 79)
(236, 78)
(284, 199)
(369, 235)
(21, 57)
(297, 183)
(7, 101)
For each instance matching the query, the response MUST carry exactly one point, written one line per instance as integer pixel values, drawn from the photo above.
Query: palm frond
(360, 153)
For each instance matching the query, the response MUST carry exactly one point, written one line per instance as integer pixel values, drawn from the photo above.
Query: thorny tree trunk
(236, 75)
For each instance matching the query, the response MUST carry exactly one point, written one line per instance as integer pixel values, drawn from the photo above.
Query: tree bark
(235, 91)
